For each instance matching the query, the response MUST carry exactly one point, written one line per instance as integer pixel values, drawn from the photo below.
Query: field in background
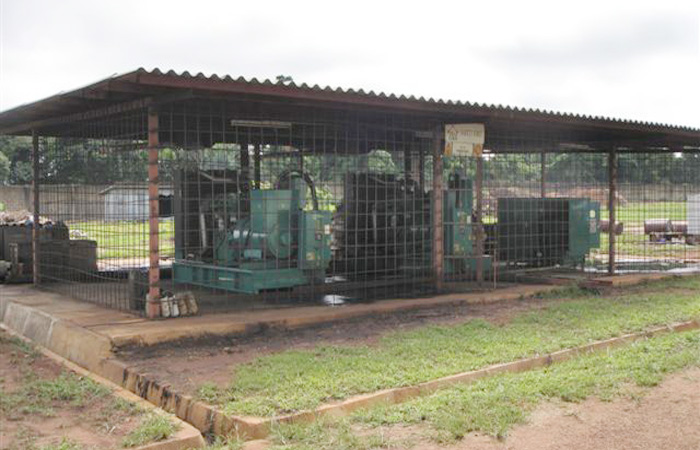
(634, 244)
(125, 239)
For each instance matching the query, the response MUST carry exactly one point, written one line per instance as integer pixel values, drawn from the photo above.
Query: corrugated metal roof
(391, 96)
(142, 84)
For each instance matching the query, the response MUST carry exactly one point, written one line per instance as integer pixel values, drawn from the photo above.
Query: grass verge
(35, 388)
(38, 396)
(494, 405)
(155, 427)
(302, 379)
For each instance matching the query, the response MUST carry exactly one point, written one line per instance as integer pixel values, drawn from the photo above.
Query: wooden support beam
(480, 237)
(36, 274)
(153, 298)
(407, 167)
(244, 154)
(438, 251)
(257, 157)
(612, 194)
(543, 175)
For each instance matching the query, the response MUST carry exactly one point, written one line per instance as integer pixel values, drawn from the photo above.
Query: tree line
(97, 162)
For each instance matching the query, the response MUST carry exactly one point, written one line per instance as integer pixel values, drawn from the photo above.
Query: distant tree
(17, 150)
(4, 169)
(284, 79)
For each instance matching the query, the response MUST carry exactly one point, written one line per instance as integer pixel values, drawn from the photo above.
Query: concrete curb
(211, 420)
(402, 394)
(187, 437)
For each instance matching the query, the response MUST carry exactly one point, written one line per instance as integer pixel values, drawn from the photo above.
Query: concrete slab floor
(125, 329)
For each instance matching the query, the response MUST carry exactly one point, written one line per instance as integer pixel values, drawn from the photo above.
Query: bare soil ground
(187, 364)
(665, 417)
(94, 424)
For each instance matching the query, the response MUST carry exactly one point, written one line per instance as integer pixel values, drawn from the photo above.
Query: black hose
(283, 182)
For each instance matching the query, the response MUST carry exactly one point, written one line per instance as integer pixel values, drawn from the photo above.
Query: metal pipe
(153, 298)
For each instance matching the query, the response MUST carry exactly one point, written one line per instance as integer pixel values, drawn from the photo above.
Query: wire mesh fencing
(266, 205)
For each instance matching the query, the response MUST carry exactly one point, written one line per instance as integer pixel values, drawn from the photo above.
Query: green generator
(546, 232)
(278, 244)
(459, 256)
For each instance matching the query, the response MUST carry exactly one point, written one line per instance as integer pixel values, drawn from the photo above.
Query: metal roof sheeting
(141, 84)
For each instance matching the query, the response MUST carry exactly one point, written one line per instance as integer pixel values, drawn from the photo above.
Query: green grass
(302, 379)
(494, 405)
(633, 242)
(637, 212)
(328, 434)
(638, 244)
(37, 396)
(65, 444)
(126, 239)
(21, 346)
(231, 443)
(155, 427)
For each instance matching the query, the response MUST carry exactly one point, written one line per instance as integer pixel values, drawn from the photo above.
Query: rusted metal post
(35, 213)
(436, 214)
(479, 220)
(612, 194)
(543, 175)
(153, 298)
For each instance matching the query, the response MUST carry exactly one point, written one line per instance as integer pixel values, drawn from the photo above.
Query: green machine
(278, 244)
(544, 232)
(459, 256)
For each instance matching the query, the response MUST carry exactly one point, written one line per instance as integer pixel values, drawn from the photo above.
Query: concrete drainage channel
(92, 351)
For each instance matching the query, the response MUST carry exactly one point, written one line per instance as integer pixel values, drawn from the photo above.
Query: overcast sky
(634, 60)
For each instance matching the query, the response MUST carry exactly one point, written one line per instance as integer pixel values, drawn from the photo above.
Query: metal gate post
(479, 238)
(152, 300)
(436, 213)
(35, 216)
(612, 191)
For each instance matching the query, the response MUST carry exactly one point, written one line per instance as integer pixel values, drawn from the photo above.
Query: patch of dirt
(94, 425)
(666, 417)
(189, 363)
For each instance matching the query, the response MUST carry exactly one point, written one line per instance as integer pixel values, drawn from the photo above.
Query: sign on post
(464, 139)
